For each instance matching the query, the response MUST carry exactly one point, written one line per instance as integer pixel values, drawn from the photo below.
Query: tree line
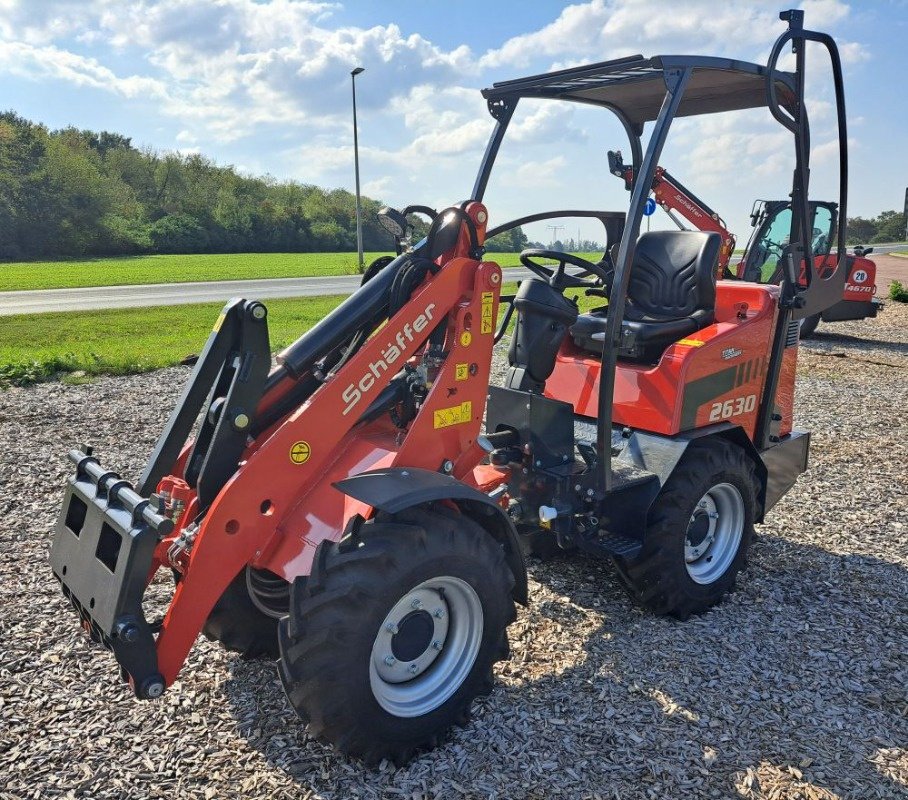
(75, 192)
(887, 227)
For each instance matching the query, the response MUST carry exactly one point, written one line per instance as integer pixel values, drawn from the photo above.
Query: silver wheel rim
(714, 533)
(409, 679)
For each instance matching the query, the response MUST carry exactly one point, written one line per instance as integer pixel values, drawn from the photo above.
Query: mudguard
(777, 467)
(393, 490)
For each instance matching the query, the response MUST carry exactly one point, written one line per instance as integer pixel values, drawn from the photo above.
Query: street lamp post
(359, 210)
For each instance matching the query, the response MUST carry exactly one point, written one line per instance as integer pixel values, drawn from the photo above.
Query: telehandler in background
(344, 513)
(761, 262)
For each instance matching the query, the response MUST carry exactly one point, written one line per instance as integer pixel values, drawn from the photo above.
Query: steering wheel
(556, 277)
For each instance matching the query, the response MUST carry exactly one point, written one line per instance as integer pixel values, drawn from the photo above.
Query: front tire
(395, 633)
(809, 325)
(699, 532)
(240, 625)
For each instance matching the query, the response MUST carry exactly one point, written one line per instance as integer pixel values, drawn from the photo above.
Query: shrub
(898, 292)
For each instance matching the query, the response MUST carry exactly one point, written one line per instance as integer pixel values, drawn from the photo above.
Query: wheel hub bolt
(713, 515)
(416, 603)
(390, 661)
(436, 645)
(438, 613)
(413, 669)
(391, 628)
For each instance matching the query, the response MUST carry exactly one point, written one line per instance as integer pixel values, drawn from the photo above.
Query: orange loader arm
(675, 198)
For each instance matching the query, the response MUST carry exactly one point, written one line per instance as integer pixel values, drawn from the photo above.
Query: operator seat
(671, 294)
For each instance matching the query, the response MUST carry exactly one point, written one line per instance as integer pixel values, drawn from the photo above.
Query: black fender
(660, 455)
(393, 490)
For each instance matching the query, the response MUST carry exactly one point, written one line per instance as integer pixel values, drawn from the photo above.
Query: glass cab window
(762, 261)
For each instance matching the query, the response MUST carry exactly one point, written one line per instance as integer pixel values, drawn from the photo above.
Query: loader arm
(676, 199)
(254, 485)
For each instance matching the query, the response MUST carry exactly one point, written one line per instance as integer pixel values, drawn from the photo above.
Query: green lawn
(36, 347)
(122, 341)
(186, 268)
(174, 269)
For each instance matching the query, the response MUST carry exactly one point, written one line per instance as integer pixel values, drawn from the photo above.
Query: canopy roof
(635, 86)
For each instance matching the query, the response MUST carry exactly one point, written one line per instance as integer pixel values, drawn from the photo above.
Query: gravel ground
(794, 688)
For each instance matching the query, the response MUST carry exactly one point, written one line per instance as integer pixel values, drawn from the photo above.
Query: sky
(265, 85)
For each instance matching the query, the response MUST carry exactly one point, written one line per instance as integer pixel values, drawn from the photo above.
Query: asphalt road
(171, 294)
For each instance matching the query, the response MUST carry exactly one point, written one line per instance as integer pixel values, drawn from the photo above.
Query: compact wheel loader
(349, 512)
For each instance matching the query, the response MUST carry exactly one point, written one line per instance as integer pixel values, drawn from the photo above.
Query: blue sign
(650, 207)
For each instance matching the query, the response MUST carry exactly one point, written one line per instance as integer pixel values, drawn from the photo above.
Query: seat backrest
(673, 275)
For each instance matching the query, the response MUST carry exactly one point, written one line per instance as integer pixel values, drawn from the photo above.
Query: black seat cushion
(671, 294)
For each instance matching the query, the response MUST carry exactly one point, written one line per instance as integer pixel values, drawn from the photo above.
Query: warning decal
(455, 415)
(461, 372)
(300, 452)
(488, 300)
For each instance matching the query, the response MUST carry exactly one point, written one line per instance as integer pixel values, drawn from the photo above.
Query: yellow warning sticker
(455, 415)
(300, 452)
(487, 323)
(691, 342)
(461, 372)
(465, 338)
(218, 322)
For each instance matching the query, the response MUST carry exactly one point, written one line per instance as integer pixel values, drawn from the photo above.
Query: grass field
(174, 269)
(39, 347)
(136, 270)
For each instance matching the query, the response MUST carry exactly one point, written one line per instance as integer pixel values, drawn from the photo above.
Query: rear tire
(699, 532)
(809, 325)
(425, 594)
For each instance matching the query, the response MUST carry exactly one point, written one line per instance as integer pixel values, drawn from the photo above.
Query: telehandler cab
(344, 513)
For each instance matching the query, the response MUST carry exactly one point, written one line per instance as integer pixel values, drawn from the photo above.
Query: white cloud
(828, 152)
(377, 188)
(47, 61)
(824, 13)
(544, 122)
(234, 65)
(610, 29)
(45, 20)
(539, 174)
(587, 31)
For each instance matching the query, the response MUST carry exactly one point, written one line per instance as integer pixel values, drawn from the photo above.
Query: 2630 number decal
(732, 408)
